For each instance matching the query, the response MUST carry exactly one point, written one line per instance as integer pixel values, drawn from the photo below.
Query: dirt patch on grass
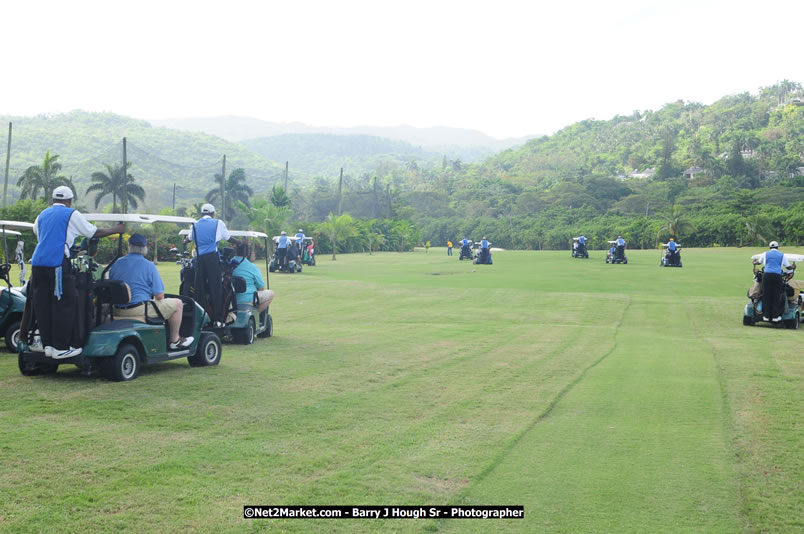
(432, 484)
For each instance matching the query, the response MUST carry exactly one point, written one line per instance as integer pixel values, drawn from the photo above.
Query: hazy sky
(508, 68)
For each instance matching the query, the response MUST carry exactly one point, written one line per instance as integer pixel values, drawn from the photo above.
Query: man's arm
(159, 296)
(104, 232)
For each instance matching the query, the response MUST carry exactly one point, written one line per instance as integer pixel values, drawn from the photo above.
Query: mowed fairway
(603, 398)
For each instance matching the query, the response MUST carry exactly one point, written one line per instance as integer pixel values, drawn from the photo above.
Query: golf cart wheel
(13, 336)
(747, 321)
(32, 369)
(124, 366)
(208, 351)
(312, 263)
(792, 324)
(245, 336)
(625, 261)
(269, 327)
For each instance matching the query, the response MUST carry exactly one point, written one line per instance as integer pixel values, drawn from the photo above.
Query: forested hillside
(732, 170)
(86, 142)
(730, 173)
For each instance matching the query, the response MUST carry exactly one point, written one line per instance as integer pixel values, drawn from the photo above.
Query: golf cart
(616, 254)
(248, 323)
(466, 251)
(791, 300)
(12, 299)
(479, 257)
(579, 249)
(308, 253)
(119, 347)
(670, 258)
(291, 264)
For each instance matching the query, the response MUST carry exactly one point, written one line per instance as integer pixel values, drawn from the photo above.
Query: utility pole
(223, 189)
(125, 176)
(8, 159)
(340, 192)
(388, 196)
(286, 177)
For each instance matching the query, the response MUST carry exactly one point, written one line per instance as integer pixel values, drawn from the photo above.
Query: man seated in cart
(146, 286)
(254, 282)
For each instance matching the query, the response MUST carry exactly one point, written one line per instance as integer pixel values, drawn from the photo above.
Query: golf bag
(466, 252)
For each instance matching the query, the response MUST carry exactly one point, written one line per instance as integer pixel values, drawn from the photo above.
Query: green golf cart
(249, 323)
(117, 348)
(12, 299)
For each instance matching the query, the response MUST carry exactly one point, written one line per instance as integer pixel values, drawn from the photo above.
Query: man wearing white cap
(206, 233)
(772, 284)
(53, 288)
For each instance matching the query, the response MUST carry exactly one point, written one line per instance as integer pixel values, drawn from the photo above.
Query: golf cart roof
(665, 245)
(142, 218)
(9, 232)
(788, 257)
(248, 233)
(612, 242)
(16, 225)
(233, 233)
(293, 237)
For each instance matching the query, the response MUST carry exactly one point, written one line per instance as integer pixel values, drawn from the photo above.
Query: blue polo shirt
(140, 275)
(283, 242)
(671, 246)
(253, 277)
(621, 242)
(484, 244)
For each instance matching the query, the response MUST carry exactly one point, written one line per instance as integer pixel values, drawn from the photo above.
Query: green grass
(601, 397)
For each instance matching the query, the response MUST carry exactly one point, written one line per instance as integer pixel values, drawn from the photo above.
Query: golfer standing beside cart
(53, 292)
(206, 233)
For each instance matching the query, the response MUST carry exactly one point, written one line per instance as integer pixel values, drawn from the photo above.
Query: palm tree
(265, 217)
(375, 240)
(113, 182)
(236, 190)
(757, 229)
(337, 227)
(42, 178)
(676, 224)
(279, 197)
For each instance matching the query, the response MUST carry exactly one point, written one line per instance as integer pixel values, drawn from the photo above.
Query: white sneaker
(49, 351)
(36, 346)
(777, 319)
(182, 343)
(69, 353)
(218, 324)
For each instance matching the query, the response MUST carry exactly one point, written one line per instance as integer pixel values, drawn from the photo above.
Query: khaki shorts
(166, 307)
(266, 295)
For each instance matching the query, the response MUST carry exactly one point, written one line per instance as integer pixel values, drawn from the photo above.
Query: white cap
(773, 244)
(300, 230)
(284, 232)
(207, 208)
(62, 192)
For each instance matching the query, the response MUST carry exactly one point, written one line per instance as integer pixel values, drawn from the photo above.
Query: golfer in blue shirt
(146, 286)
(254, 282)
(772, 282)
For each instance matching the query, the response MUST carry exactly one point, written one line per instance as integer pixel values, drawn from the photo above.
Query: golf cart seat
(21, 291)
(110, 293)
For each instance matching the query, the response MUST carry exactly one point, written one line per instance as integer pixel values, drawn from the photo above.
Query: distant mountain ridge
(324, 154)
(234, 128)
